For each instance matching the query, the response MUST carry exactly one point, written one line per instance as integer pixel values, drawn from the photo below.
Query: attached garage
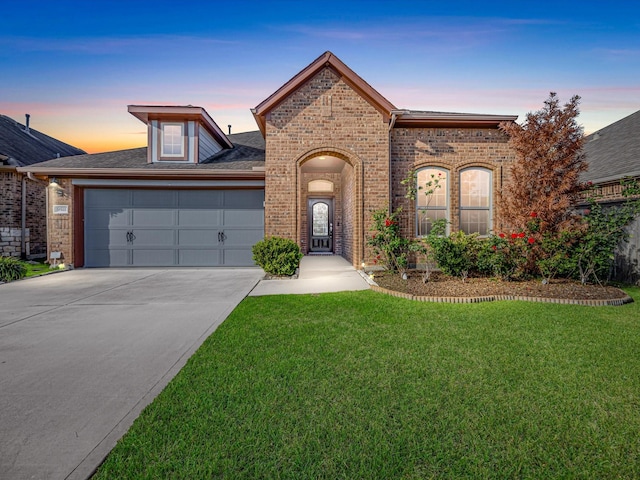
(164, 228)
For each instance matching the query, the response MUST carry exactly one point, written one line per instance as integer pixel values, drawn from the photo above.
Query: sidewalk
(318, 274)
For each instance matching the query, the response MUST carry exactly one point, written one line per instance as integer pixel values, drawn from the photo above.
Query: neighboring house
(613, 153)
(329, 151)
(23, 231)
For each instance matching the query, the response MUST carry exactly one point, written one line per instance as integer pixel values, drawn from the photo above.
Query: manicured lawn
(365, 386)
(34, 269)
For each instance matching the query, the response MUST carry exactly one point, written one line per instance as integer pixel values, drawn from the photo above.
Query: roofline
(143, 173)
(614, 178)
(327, 59)
(409, 118)
(146, 112)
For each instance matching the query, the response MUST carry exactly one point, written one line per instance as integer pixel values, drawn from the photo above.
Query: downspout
(23, 219)
(392, 122)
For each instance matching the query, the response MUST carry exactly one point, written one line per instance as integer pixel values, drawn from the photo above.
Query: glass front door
(321, 225)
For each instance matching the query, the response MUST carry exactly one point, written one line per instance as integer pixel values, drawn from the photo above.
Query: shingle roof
(614, 151)
(248, 152)
(28, 148)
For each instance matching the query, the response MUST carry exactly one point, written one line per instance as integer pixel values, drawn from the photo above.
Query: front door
(320, 225)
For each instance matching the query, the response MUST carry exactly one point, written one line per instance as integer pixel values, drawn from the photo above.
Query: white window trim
(426, 209)
(163, 154)
(461, 208)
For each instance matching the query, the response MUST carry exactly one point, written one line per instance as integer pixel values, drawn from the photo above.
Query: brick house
(329, 151)
(612, 154)
(23, 231)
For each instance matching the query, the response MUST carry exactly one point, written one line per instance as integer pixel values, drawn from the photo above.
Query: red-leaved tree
(544, 183)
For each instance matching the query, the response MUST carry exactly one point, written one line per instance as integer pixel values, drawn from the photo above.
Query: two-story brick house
(329, 151)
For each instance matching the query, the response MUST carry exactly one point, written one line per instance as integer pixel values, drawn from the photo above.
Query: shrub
(277, 256)
(456, 254)
(391, 249)
(11, 269)
(506, 255)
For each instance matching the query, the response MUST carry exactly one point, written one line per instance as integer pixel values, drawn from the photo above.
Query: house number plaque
(61, 209)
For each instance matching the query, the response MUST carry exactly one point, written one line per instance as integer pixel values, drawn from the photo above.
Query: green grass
(359, 385)
(37, 269)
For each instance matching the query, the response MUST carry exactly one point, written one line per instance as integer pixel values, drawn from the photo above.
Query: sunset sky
(76, 65)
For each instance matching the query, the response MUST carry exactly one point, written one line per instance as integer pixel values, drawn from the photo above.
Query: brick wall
(453, 149)
(61, 233)
(325, 115)
(11, 215)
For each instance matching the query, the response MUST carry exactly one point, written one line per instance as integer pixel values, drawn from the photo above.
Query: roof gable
(326, 60)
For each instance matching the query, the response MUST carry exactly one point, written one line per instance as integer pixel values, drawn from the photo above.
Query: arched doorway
(328, 213)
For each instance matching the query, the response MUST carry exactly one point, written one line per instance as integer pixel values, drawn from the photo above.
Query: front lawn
(362, 385)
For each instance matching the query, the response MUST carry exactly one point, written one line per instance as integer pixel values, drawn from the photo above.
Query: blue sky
(75, 66)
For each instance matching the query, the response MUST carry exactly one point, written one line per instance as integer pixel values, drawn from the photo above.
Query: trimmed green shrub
(277, 256)
(11, 269)
(456, 254)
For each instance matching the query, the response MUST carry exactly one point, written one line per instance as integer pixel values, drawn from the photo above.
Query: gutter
(143, 173)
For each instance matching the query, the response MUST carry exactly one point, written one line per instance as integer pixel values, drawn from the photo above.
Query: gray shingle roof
(28, 148)
(248, 152)
(614, 151)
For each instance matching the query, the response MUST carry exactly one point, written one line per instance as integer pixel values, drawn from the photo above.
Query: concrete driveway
(83, 352)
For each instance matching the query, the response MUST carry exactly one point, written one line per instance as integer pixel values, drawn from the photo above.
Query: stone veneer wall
(453, 149)
(11, 216)
(325, 116)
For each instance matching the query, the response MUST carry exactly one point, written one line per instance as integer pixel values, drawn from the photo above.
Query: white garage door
(163, 228)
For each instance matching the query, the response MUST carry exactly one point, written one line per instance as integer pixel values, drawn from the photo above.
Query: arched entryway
(330, 221)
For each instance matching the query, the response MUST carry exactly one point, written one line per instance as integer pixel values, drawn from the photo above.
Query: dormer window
(180, 134)
(172, 141)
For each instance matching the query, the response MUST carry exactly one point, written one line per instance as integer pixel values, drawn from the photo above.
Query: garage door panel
(245, 237)
(200, 199)
(244, 199)
(243, 217)
(153, 257)
(153, 217)
(104, 218)
(107, 197)
(238, 258)
(200, 258)
(107, 258)
(105, 238)
(151, 237)
(197, 238)
(200, 218)
(154, 198)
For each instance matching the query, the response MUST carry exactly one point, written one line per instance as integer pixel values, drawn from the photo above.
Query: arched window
(432, 202)
(475, 200)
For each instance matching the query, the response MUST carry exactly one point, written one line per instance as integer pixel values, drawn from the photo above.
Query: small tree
(545, 176)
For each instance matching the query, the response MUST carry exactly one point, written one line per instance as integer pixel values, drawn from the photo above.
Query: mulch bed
(441, 285)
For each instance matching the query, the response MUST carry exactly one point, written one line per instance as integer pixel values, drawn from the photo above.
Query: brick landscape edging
(492, 298)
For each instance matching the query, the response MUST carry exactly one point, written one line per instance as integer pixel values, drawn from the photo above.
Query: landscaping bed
(441, 285)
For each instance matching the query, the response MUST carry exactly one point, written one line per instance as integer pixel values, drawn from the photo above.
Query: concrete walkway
(318, 274)
(83, 352)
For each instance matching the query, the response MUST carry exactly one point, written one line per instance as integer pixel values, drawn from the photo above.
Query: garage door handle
(221, 237)
(130, 237)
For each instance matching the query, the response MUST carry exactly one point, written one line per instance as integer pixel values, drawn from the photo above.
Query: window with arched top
(475, 200)
(432, 198)
(320, 186)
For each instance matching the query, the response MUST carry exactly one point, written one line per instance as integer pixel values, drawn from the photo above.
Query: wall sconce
(53, 182)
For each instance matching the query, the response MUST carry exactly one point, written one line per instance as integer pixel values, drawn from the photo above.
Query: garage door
(163, 228)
